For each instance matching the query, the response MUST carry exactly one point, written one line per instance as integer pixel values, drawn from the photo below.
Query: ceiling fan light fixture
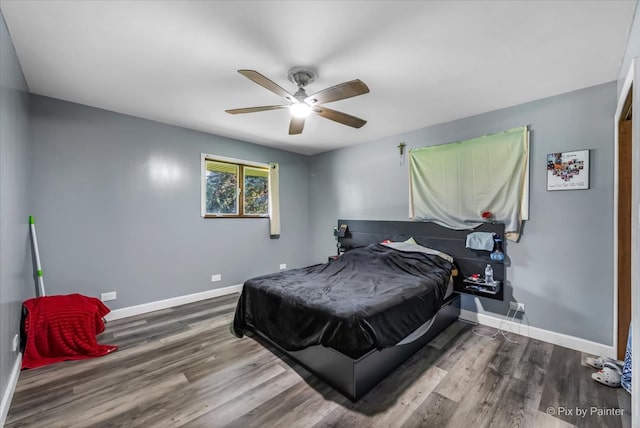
(300, 110)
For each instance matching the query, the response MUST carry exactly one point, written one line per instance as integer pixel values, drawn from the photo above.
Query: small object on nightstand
(342, 231)
(480, 285)
(488, 274)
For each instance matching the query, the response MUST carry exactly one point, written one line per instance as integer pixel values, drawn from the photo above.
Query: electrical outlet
(516, 306)
(216, 278)
(105, 297)
(16, 343)
(283, 265)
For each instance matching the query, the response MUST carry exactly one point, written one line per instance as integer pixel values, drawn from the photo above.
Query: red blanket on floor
(62, 328)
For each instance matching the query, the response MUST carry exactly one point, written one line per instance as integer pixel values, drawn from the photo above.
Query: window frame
(240, 163)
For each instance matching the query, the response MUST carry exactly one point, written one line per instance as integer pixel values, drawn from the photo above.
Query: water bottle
(497, 254)
(488, 274)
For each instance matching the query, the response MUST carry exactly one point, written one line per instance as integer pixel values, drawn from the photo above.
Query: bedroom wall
(632, 50)
(117, 203)
(562, 269)
(15, 258)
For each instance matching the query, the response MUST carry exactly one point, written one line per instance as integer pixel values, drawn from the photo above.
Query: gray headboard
(452, 242)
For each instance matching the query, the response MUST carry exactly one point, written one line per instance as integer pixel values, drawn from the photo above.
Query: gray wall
(15, 258)
(632, 50)
(562, 269)
(117, 204)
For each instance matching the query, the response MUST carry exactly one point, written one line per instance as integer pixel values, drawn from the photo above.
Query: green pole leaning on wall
(34, 241)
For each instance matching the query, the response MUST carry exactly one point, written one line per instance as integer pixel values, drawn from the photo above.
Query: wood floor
(183, 367)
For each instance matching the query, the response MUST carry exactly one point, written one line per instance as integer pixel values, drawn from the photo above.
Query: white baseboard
(10, 389)
(169, 303)
(560, 339)
(523, 329)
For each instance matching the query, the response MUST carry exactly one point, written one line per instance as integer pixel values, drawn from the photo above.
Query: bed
(353, 320)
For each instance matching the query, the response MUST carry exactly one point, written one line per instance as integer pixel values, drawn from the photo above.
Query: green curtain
(274, 199)
(453, 184)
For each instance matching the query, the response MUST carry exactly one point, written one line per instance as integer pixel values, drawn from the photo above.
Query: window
(234, 188)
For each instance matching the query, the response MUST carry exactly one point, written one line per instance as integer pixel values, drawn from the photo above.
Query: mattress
(370, 298)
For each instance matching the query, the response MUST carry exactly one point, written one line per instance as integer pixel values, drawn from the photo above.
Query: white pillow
(410, 247)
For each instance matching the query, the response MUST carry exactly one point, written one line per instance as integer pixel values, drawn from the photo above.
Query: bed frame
(355, 377)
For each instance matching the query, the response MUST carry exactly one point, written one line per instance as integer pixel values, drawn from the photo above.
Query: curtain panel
(274, 200)
(453, 184)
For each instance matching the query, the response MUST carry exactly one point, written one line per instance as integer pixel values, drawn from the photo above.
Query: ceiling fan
(302, 105)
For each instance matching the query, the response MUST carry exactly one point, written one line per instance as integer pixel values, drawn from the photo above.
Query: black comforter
(371, 297)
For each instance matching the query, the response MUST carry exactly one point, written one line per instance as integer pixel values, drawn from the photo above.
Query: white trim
(233, 160)
(626, 87)
(10, 389)
(559, 339)
(130, 311)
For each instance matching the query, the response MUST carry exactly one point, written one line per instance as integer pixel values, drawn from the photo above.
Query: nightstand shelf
(480, 288)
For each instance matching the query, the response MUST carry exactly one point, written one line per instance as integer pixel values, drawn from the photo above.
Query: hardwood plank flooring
(182, 367)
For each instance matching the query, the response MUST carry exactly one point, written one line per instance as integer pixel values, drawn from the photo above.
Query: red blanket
(62, 328)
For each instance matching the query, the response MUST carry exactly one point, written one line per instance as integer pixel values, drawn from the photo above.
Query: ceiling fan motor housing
(301, 76)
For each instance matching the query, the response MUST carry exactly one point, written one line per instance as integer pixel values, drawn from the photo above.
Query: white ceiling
(424, 62)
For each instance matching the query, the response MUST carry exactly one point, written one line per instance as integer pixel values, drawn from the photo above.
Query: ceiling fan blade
(338, 92)
(254, 109)
(337, 116)
(296, 125)
(266, 83)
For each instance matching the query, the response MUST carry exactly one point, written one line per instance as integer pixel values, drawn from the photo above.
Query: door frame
(632, 74)
(624, 93)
